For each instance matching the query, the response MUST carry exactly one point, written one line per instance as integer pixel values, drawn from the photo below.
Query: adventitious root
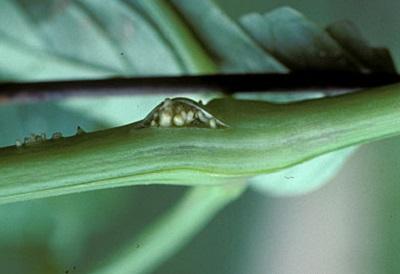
(181, 112)
(176, 112)
(35, 139)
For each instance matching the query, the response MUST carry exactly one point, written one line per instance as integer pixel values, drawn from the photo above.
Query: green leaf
(232, 49)
(297, 42)
(302, 178)
(372, 58)
(114, 40)
(188, 50)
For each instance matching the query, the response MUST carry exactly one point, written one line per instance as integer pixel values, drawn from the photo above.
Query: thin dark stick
(327, 82)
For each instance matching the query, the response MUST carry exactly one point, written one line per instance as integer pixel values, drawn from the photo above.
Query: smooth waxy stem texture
(261, 138)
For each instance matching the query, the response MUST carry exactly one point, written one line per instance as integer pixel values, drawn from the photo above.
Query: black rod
(326, 82)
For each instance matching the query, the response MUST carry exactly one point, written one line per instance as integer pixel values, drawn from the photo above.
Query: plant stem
(170, 232)
(326, 82)
(262, 138)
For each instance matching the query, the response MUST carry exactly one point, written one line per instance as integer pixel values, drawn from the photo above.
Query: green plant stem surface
(262, 138)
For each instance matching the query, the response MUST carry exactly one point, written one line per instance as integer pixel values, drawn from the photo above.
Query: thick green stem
(262, 138)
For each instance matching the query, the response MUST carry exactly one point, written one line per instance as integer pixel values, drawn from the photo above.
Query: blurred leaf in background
(46, 40)
(378, 19)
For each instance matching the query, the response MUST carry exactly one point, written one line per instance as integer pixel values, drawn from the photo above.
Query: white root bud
(179, 112)
(165, 120)
(178, 120)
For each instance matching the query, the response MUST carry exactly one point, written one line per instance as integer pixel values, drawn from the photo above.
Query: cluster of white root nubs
(181, 112)
(35, 139)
